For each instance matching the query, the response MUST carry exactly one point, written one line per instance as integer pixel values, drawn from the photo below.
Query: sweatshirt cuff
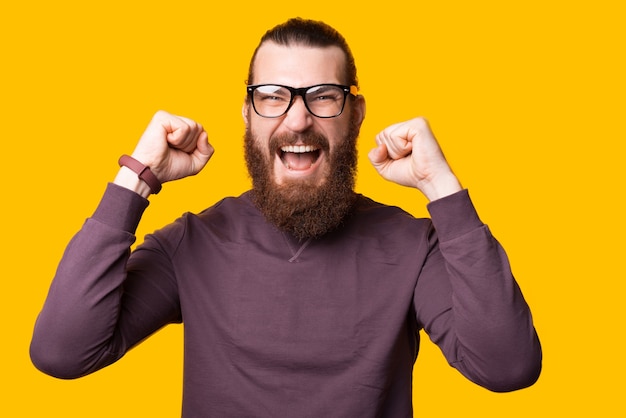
(120, 208)
(454, 215)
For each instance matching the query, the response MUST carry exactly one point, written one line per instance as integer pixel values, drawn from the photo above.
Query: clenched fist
(408, 154)
(173, 147)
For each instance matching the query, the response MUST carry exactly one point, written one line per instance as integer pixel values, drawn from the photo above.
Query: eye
(271, 98)
(324, 94)
(321, 98)
(272, 94)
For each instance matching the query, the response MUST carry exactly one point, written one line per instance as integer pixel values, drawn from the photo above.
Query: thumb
(378, 155)
(203, 146)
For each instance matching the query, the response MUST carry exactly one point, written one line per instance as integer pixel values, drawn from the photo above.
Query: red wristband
(143, 172)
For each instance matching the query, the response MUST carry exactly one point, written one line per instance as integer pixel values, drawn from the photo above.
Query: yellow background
(527, 99)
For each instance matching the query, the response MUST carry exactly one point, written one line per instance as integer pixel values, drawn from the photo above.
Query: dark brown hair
(312, 33)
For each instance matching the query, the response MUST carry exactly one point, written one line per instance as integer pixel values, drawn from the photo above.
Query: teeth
(298, 148)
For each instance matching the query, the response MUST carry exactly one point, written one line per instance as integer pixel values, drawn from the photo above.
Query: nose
(298, 118)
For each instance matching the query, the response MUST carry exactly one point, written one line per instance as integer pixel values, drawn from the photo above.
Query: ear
(358, 107)
(244, 112)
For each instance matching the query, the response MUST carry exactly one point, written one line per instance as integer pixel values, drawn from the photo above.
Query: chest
(321, 307)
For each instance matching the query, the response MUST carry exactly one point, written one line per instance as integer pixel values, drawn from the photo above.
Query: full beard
(300, 207)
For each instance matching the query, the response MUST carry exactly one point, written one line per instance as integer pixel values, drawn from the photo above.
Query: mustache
(308, 138)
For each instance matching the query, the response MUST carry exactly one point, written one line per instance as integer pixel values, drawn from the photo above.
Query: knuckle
(421, 122)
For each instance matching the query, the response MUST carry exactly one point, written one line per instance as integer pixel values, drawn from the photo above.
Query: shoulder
(226, 220)
(228, 209)
(371, 217)
(367, 208)
(228, 214)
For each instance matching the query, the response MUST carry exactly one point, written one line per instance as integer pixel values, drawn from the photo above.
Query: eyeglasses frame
(301, 91)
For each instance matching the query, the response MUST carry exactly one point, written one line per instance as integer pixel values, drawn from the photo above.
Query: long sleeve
(95, 311)
(470, 305)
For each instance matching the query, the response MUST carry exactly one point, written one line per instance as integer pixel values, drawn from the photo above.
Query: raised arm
(466, 298)
(95, 309)
(470, 305)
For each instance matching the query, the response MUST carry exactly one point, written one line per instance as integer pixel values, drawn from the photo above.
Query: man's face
(299, 66)
(302, 166)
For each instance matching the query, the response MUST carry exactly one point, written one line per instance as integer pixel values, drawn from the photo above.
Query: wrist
(128, 179)
(143, 172)
(440, 187)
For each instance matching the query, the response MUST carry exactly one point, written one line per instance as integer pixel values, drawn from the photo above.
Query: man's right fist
(173, 147)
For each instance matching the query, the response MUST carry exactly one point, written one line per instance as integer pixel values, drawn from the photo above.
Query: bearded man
(299, 297)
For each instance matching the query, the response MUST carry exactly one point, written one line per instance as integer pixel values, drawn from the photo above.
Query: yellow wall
(527, 99)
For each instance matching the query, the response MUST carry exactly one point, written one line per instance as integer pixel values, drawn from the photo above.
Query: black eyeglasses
(321, 100)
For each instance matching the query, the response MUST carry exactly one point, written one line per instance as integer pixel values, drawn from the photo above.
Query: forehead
(298, 66)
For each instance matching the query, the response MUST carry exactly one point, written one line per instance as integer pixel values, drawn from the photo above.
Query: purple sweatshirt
(280, 328)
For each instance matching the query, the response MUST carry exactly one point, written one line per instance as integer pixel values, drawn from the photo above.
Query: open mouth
(299, 157)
